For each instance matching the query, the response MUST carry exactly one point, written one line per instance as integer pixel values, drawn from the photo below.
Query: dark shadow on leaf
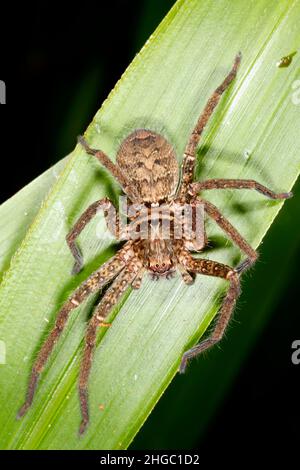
(252, 206)
(215, 242)
(237, 160)
(240, 208)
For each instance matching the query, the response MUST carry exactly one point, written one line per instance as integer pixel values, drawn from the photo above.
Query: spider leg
(111, 297)
(189, 157)
(235, 236)
(112, 168)
(97, 280)
(136, 283)
(212, 268)
(112, 222)
(217, 183)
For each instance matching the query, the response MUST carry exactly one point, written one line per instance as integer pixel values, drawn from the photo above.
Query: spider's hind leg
(190, 150)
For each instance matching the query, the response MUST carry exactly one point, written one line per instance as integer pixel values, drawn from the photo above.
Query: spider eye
(139, 164)
(163, 264)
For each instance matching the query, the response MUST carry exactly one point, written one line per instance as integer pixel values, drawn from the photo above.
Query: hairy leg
(112, 222)
(218, 183)
(97, 280)
(113, 294)
(235, 236)
(212, 268)
(190, 150)
(137, 282)
(112, 168)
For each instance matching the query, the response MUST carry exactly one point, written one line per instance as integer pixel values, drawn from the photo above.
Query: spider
(148, 173)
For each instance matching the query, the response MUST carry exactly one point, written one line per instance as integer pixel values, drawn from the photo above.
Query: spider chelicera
(147, 171)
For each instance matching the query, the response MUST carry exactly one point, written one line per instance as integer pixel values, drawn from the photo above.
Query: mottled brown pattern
(149, 162)
(147, 171)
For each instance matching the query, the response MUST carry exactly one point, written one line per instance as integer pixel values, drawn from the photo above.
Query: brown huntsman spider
(147, 171)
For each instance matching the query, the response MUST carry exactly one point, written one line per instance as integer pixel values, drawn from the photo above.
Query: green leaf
(254, 134)
(190, 403)
(18, 213)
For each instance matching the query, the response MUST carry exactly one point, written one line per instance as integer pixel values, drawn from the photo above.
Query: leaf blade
(161, 320)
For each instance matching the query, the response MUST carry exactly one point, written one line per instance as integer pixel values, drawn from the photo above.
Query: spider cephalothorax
(157, 238)
(159, 257)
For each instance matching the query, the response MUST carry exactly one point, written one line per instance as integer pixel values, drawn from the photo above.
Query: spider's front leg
(97, 280)
(112, 222)
(126, 277)
(211, 268)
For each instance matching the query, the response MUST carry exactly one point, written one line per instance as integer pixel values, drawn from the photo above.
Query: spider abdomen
(149, 162)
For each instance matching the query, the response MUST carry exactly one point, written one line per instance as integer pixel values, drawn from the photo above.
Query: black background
(49, 70)
(45, 67)
(44, 64)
